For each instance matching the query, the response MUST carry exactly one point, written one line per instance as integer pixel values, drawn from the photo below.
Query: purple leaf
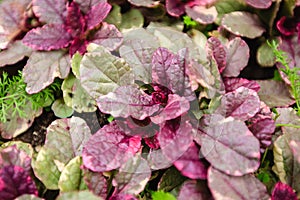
(238, 54)
(15, 181)
(152, 142)
(48, 37)
(144, 3)
(157, 160)
(245, 187)
(108, 36)
(202, 14)
(190, 165)
(109, 148)
(127, 101)
(50, 11)
(232, 84)
(78, 45)
(175, 7)
(175, 137)
(175, 107)
(243, 24)
(96, 183)
(241, 104)
(262, 4)
(86, 5)
(295, 147)
(11, 156)
(123, 197)
(283, 191)
(262, 126)
(43, 67)
(97, 14)
(75, 22)
(192, 189)
(229, 145)
(218, 51)
(169, 70)
(132, 176)
(12, 20)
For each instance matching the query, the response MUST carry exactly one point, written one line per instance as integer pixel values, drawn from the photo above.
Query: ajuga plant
(291, 73)
(14, 98)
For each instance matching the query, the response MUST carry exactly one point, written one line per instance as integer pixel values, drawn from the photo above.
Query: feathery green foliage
(291, 73)
(14, 98)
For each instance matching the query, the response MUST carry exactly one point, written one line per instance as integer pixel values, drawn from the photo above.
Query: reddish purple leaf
(109, 148)
(50, 11)
(48, 37)
(228, 145)
(169, 70)
(247, 187)
(15, 181)
(238, 54)
(283, 191)
(75, 22)
(192, 189)
(218, 51)
(78, 45)
(157, 160)
(242, 104)
(175, 7)
(175, 137)
(86, 5)
(190, 165)
(108, 36)
(96, 183)
(152, 142)
(123, 197)
(262, 4)
(127, 101)
(97, 14)
(175, 107)
(232, 84)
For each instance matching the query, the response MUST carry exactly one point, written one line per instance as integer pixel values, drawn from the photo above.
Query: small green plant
(291, 73)
(14, 98)
(189, 22)
(161, 195)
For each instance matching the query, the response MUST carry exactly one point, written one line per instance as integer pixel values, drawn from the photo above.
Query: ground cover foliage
(145, 99)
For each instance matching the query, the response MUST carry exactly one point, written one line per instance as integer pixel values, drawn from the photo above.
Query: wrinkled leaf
(190, 165)
(15, 181)
(65, 140)
(157, 160)
(137, 49)
(108, 36)
(229, 145)
(231, 84)
(132, 176)
(13, 156)
(71, 176)
(11, 20)
(15, 52)
(241, 104)
(243, 24)
(96, 183)
(217, 50)
(245, 187)
(97, 14)
(274, 93)
(283, 191)
(192, 189)
(61, 109)
(127, 101)
(43, 67)
(109, 148)
(49, 11)
(238, 54)
(86, 5)
(76, 97)
(107, 71)
(49, 37)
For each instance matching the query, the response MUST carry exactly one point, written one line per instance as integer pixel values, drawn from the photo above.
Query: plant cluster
(184, 121)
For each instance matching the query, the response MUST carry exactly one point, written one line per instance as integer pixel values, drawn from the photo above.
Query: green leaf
(71, 178)
(171, 179)
(265, 56)
(61, 109)
(75, 64)
(132, 19)
(189, 22)
(64, 140)
(114, 17)
(161, 195)
(109, 72)
(76, 97)
(78, 195)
